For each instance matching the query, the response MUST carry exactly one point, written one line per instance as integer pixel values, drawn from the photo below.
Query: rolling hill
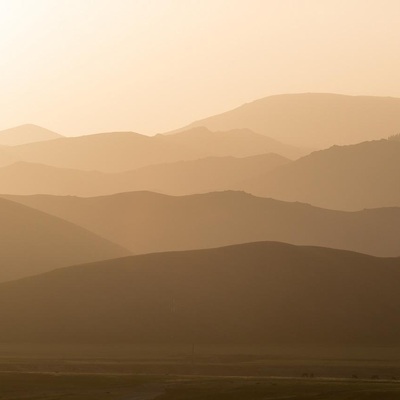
(27, 133)
(32, 242)
(145, 222)
(182, 177)
(365, 175)
(317, 120)
(258, 293)
(105, 152)
(199, 176)
(124, 151)
(232, 142)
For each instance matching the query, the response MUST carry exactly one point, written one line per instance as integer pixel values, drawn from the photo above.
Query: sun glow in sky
(83, 66)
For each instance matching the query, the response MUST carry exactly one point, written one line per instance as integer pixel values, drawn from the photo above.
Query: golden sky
(84, 66)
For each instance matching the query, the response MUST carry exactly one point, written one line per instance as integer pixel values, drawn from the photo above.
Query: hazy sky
(84, 66)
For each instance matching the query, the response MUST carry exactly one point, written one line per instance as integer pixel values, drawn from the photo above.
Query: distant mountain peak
(26, 133)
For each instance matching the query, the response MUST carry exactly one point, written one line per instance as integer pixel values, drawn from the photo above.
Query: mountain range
(124, 151)
(116, 237)
(352, 177)
(181, 177)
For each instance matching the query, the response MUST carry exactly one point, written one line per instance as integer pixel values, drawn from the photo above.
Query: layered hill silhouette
(233, 142)
(317, 120)
(124, 151)
(145, 222)
(353, 177)
(33, 242)
(106, 152)
(183, 177)
(200, 176)
(258, 293)
(27, 133)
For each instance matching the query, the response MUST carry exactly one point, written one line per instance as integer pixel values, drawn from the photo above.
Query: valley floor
(34, 386)
(52, 372)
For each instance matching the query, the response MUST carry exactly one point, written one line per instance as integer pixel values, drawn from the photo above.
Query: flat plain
(135, 387)
(209, 373)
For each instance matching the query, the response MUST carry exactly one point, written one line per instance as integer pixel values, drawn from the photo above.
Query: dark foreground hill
(146, 222)
(32, 242)
(263, 292)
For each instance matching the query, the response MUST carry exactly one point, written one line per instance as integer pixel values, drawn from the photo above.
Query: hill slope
(255, 293)
(28, 133)
(6, 156)
(317, 120)
(29, 178)
(364, 175)
(33, 242)
(149, 222)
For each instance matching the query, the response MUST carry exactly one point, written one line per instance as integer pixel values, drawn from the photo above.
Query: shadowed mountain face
(253, 293)
(184, 177)
(124, 151)
(364, 175)
(149, 222)
(33, 242)
(316, 120)
(28, 133)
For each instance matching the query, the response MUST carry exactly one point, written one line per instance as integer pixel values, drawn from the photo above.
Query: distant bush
(395, 137)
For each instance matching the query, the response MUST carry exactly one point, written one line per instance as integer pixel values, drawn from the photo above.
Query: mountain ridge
(351, 177)
(180, 177)
(124, 151)
(312, 119)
